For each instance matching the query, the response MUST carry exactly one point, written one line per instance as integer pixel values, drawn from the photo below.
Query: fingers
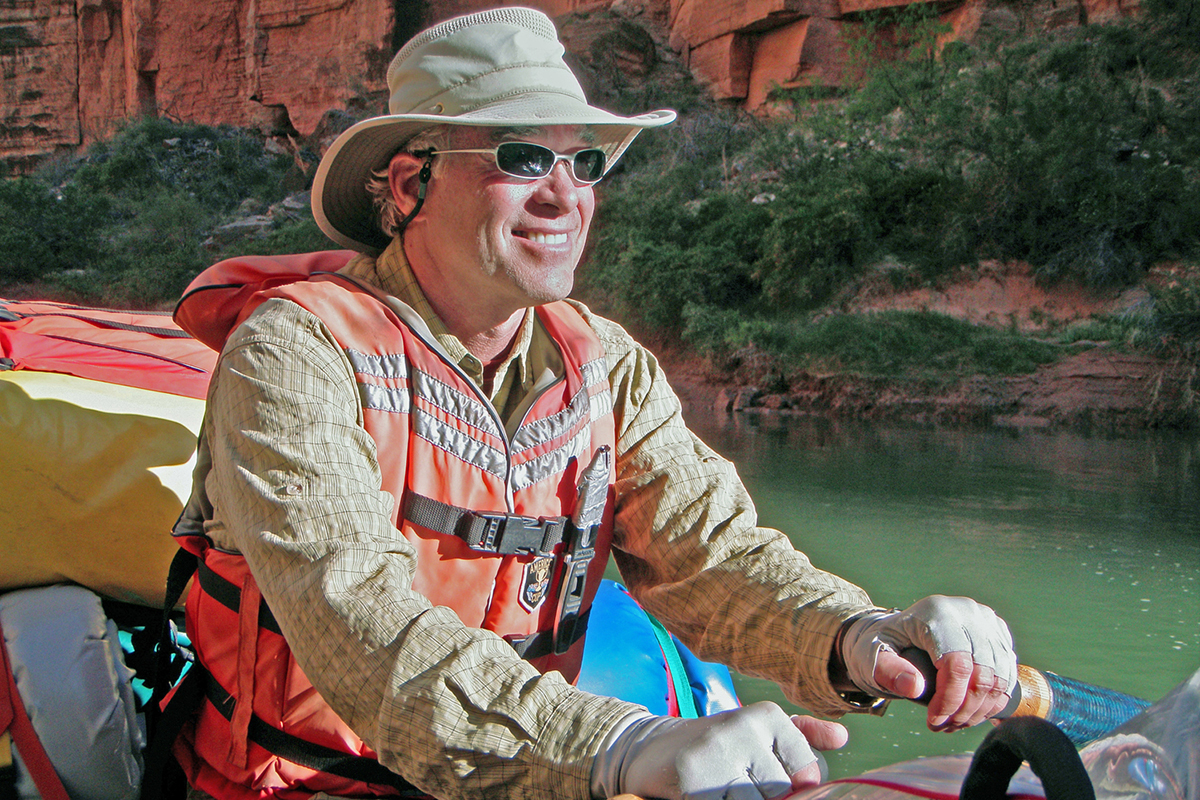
(752, 753)
(763, 754)
(976, 664)
(822, 734)
(807, 778)
(967, 693)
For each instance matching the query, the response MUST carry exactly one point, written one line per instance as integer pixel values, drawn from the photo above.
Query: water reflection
(1088, 545)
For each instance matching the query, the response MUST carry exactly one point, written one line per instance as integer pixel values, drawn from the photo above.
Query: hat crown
(477, 59)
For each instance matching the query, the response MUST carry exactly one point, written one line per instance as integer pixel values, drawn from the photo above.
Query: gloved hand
(749, 753)
(970, 646)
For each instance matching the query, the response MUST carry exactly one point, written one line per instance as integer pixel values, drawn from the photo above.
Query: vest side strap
(309, 754)
(230, 595)
(543, 643)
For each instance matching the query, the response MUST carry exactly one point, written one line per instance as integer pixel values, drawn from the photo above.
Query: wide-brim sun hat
(497, 68)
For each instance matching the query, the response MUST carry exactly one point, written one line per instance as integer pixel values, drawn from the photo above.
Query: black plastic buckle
(510, 534)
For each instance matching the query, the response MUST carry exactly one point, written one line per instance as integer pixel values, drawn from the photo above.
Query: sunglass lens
(589, 165)
(524, 160)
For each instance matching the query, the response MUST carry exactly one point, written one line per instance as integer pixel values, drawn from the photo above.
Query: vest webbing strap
(502, 534)
(308, 754)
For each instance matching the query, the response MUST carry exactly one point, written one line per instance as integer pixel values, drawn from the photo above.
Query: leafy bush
(1173, 324)
(302, 236)
(699, 253)
(903, 343)
(1077, 169)
(125, 224)
(893, 344)
(1077, 151)
(43, 230)
(217, 166)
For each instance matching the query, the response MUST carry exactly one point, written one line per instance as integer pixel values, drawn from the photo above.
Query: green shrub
(126, 223)
(890, 344)
(301, 236)
(153, 256)
(908, 344)
(1059, 149)
(816, 241)
(651, 259)
(1077, 172)
(1172, 326)
(217, 166)
(1113, 329)
(44, 231)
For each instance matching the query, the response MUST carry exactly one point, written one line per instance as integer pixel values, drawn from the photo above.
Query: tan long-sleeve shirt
(288, 477)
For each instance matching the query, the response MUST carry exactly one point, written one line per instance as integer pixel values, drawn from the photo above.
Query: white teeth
(547, 238)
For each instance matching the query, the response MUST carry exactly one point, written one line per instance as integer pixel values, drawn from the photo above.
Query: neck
(484, 322)
(487, 336)
(490, 345)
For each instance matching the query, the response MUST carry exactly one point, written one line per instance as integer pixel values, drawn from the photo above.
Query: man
(402, 451)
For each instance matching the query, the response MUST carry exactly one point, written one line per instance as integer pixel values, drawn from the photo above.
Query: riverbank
(1102, 385)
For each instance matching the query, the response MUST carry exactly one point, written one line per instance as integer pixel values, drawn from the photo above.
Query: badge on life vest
(537, 582)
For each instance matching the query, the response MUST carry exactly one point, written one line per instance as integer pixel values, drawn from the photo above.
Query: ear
(403, 170)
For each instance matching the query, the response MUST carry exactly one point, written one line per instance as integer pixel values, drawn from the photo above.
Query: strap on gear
(15, 721)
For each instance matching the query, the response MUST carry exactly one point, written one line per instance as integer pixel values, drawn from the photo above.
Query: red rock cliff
(73, 69)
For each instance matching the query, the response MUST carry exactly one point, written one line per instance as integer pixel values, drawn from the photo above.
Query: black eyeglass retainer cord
(425, 174)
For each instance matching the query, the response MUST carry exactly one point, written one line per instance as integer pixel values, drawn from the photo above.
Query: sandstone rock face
(38, 43)
(72, 70)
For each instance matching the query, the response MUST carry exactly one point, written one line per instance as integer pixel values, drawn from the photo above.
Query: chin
(548, 291)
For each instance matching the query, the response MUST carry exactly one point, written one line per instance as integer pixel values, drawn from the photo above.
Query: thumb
(898, 676)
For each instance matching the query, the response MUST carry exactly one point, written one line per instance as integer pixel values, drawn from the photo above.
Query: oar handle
(1082, 710)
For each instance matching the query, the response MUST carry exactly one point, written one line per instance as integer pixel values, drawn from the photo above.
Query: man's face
(494, 239)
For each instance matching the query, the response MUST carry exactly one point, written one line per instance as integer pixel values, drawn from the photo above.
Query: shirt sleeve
(689, 547)
(294, 486)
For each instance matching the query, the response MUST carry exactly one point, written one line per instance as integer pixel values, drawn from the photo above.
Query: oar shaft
(1083, 711)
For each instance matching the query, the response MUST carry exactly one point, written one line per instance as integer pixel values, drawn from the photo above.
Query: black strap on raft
(162, 777)
(1049, 752)
(230, 596)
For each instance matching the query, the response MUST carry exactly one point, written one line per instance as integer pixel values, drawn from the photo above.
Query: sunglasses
(530, 161)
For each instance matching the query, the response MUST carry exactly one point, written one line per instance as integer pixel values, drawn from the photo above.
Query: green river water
(1087, 545)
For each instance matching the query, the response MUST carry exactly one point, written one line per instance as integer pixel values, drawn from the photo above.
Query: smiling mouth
(543, 238)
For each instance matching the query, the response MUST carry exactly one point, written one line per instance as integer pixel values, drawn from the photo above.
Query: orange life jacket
(512, 533)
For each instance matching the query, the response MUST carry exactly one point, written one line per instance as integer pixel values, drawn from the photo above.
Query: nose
(559, 188)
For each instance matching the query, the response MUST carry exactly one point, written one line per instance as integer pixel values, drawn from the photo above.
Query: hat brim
(341, 204)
